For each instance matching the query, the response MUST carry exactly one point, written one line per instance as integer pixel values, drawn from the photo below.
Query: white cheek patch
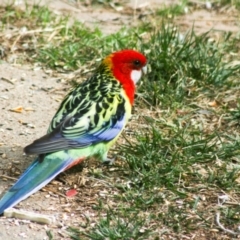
(136, 75)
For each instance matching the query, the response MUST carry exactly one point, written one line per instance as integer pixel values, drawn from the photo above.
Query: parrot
(87, 123)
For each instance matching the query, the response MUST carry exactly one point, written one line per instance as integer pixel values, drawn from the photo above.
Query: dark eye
(137, 63)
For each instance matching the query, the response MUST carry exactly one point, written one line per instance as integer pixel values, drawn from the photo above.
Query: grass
(114, 226)
(183, 62)
(180, 153)
(62, 45)
(172, 10)
(234, 3)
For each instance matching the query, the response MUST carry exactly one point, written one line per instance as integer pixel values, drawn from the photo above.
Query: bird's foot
(109, 161)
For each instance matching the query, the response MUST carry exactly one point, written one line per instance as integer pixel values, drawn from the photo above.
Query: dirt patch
(206, 20)
(28, 90)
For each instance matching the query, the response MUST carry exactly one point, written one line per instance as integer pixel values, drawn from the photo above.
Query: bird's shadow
(13, 163)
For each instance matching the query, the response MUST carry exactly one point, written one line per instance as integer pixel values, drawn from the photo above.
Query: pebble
(4, 97)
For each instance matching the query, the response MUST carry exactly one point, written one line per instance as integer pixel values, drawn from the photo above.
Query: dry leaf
(71, 193)
(213, 104)
(29, 109)
(18, 109)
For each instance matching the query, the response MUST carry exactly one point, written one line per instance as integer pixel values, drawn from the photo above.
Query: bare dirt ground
(36, 95)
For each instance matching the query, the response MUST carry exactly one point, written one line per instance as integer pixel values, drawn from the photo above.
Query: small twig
(222, 227)
(30, 32)
(106, 183)
(55, 192)
(34, 217)
(214, 19)
(5, 176)
(148, 103)
(232, 203)
(220, 121)
(7, 80)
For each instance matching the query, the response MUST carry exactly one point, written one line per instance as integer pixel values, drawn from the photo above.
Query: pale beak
(144, 69)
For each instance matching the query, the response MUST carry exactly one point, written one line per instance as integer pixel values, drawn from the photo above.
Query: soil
(29, 98)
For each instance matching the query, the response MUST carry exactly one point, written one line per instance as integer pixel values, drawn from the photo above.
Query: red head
(127, 67)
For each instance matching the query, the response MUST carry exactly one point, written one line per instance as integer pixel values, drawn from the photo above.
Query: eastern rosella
(87, 123)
